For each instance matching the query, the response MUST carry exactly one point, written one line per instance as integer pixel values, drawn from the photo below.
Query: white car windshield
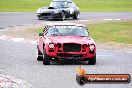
(60, 4)
(67, 31)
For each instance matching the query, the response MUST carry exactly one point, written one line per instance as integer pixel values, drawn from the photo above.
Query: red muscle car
(66, 41)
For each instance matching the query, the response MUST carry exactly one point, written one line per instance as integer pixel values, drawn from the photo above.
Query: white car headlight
(77, 8)
(39, 10)
(92, 47)
(51, 45)
(56, 11)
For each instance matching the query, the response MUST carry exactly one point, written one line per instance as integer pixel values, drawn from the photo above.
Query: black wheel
(92, 61)
(39, 55)
(63, 16)
(46, 60)
(76, 15)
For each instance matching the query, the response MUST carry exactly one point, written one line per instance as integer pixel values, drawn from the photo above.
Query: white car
(59, 9)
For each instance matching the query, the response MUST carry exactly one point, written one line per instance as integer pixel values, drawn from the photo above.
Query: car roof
(65, 24)
(63, 0)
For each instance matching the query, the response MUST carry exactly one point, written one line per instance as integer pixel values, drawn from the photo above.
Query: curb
(12, 82)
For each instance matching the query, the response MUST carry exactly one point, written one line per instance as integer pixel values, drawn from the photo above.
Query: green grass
(119, 32)
(84, 5)
(22, 5)
(40, 30)
(105, 5)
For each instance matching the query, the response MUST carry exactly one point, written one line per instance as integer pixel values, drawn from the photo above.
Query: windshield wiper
(82, 36)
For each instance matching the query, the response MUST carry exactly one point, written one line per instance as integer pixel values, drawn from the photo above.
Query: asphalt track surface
(21, 18)
(19, 60)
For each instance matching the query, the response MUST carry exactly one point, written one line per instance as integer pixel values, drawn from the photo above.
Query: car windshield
(67, 31)
(60, 4)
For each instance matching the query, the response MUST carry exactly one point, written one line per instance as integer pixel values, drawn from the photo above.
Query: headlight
(77, 8)
(56, 11)
(39, 10)
(51, 45)
(92, 47)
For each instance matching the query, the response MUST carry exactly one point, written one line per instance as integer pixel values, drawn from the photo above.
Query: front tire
(92, 61)
(46, 60)
(76, 15)
(39, 55)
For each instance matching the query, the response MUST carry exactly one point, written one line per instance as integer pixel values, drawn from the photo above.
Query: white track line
(85, 20)
(116, 19)
(107, 19)
(17, 39)
(22, 40)
(101, 55)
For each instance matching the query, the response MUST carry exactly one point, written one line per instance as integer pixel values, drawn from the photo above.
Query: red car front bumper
(71, 55)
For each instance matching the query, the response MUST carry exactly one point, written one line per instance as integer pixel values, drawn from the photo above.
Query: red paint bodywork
(85, 42)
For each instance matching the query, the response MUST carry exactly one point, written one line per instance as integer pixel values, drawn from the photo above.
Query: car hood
(49, 9)
(70, 39)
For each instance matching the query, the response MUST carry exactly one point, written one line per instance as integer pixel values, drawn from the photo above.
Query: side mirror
(41, 34)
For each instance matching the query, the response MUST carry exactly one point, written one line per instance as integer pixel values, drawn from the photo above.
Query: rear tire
(92, 61)
(76, 15)
(39, 55)
(46, 60)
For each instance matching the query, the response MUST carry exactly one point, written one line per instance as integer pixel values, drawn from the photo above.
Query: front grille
(71, 47)
(69, 55)
(46, 14)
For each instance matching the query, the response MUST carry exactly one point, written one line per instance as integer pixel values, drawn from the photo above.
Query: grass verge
(118, 32)
(84, 5)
